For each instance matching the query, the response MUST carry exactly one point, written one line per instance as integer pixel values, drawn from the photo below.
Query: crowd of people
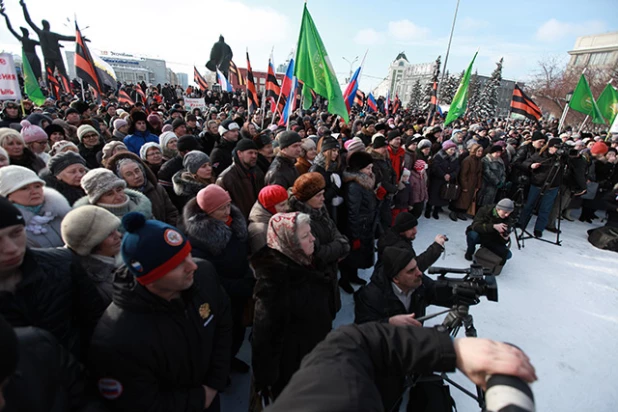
(143, 240)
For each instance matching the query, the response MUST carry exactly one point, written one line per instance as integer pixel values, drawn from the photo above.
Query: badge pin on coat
(205, 313)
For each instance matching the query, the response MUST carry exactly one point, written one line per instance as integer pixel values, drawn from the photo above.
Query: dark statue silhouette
(27, 44)
(220, 56)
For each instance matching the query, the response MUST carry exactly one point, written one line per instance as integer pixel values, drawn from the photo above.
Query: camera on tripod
(477, 282)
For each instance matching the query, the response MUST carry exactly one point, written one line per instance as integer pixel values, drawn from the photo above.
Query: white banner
(9, 85)
(194, 103)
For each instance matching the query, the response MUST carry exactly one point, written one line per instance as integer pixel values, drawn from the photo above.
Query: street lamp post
(565, 111)
(351, 63)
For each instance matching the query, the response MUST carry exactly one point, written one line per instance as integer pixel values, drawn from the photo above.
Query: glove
(336, 179)
(337, 200)
(381, 193)
(356, 244)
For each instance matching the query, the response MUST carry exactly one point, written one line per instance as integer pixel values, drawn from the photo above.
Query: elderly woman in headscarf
(91, 232)
(19, 154)
(196, 175)
(292, 302)
(152, 155)
(139, 177)
(42, 208)
(104, 189)
(66, 171)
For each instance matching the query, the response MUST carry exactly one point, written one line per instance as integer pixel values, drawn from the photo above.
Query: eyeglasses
(153, 154)
(91, 136)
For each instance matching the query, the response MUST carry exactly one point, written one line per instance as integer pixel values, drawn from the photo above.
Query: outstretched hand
(478, 358)
(22, 2)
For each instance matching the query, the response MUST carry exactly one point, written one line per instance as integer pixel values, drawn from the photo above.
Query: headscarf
(281, 236)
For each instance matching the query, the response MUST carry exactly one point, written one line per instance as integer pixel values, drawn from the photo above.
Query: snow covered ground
(558, 303)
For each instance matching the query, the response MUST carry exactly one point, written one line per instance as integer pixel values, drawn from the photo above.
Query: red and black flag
(523, 105)
(359, 99)
(54, 86)
(84, 65)
(140, 93)
(197, 78)
(234, 70)
(396, 104)
(123, 97)
(272, 86)
(252, 96)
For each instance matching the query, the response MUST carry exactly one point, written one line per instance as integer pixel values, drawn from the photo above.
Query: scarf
(281, 236)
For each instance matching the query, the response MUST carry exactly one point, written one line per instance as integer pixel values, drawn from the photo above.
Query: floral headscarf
(282, 236)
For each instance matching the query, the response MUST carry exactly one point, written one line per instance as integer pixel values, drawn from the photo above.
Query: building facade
(599, 51)
(402, 75)
(183, 79)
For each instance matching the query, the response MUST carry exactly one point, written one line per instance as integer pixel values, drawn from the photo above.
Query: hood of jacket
(259, 214)
(367, 182)
(137, 203)
(210, 234)
(185, 184)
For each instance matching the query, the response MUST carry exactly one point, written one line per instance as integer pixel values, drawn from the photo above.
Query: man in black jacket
(44, 287)
(573, 184)
(490, 229)
(164, 342)
(221, 155)
(282, 170)
(345, 372)
(403, 233)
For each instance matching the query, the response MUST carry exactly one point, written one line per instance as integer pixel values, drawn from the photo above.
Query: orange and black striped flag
(396, 104)
(123, 97)
(272, 87)
(84, 64)
(234, 70)
(54, 86)
(359, 99)
(523, 105)
(141, 93)
(434, 94)
(252, 96)
(197, 78)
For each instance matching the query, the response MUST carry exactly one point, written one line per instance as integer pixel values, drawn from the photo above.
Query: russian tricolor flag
(371, 102)
(350, 92)
(289, 105)
(225, 86)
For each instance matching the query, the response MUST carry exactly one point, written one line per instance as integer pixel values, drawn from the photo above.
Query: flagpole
(448, 50)
(280, 92)
(583, 123)
(271, 60)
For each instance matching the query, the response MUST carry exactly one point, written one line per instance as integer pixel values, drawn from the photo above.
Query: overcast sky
(183, 31)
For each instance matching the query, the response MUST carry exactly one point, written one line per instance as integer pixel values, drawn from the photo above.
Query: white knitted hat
(86, 227)
(13, 178)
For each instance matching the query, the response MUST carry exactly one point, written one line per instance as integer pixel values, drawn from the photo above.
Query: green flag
(583, 101)
(314, 69)
(31, 84)
(608, 103)
(307, 98)
(460, 101)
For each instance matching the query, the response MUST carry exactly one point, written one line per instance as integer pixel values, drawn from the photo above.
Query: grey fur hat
(86, 227)
(194, 160)
(99, 181)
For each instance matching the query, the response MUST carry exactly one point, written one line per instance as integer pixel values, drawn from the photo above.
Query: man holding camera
(490, 229)
(398, 294)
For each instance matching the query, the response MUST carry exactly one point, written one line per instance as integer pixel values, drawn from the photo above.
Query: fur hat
(154, 120)
(99, 181)
(63, 160)
(13, 178)
(109, 148)
(86, 227)
(194, 160)
(151, 249)
(186, 143)
(288, 138)
(538, 136)
(143, 151)
(62, 146)
(32, 133)
(359, 160)
(118, 123)
(138, 115)
(54, 128)
(495, 148)
(308, 185)
(449, 144)
(423, 144)
(85, 129)
(308, 144)
(395, 259)
(555, 142)
(272, 195)
(212, 197)
(378, 140)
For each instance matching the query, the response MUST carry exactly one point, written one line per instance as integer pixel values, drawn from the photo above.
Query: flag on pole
(234, 70)
(272, 86)
(54, 86)
(360, 98)
(608, 103)
(84, 65)
(523, 105)
(371, 103)
(123, 97)
(141, 93)
(350, 92)
(252, 96)
(225, 85)
(31, 85)
(460, 101)
(387, 102)
(583, 101)
(197, 78)
(286, 86)
(396, 104)
(314, 68)
(289, 105)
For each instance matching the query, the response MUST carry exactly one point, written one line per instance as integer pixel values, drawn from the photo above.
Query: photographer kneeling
(490, 229)
(398, 294)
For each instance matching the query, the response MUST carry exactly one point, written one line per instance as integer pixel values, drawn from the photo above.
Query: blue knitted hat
(150, 248)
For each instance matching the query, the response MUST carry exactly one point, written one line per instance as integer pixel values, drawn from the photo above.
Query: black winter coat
(392, 239)
(55, 295)
(442, 165)
(221, 156)
(282, 171)
(483, 223)
(292, 315)
(352, 368)
(48, 378)
(71, 193)
(242, 184)
(226, 247)
(90, 155)
(384, 172)
(540, 174)
(160, 351)
(208, 141)
(360, 217)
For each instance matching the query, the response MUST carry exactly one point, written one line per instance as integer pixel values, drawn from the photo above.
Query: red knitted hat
(271, 195)
(599, 148)
(212, 197)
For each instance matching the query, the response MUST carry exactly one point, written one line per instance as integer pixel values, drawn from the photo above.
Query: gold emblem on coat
(205, 310)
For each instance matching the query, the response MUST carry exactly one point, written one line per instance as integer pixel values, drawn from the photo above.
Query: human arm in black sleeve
(429, 257)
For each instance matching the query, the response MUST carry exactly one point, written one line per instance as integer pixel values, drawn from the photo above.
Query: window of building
(600, 59)
(579, 60)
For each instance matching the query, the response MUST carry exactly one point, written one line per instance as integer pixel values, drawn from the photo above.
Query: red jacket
(397, 160)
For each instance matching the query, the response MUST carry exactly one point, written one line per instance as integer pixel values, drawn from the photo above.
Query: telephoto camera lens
(507, 393)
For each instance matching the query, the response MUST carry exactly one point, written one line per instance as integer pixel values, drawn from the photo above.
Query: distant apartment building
(598, 51)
